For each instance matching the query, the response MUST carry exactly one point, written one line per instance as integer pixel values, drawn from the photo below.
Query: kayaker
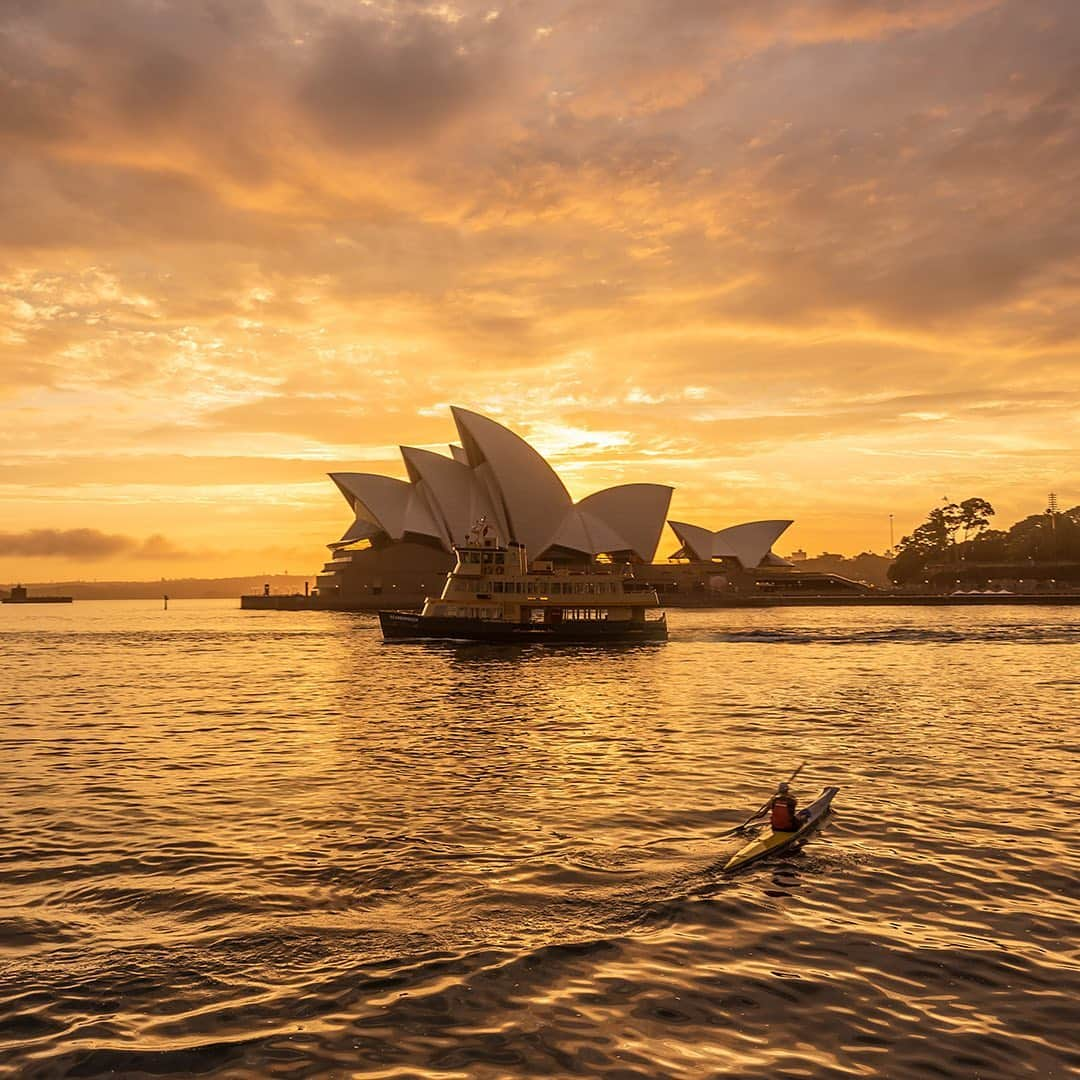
(782, 816)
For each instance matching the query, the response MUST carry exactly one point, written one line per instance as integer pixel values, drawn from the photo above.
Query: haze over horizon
(798, 259)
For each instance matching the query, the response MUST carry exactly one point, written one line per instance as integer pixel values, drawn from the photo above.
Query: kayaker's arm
(764, 809)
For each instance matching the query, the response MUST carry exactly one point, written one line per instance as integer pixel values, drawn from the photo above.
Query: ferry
(19, 595)
(493, 594)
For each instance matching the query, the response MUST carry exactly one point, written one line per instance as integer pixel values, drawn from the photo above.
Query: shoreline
(312, 603)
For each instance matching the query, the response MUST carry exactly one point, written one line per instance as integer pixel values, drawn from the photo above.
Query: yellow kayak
(772, 843)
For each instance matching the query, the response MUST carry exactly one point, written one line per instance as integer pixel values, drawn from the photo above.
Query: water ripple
(247, 845)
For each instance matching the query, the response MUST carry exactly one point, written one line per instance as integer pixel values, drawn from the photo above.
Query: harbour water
(248, 844)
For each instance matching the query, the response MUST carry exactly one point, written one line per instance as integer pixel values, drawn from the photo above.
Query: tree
(975, 515)
(936, 537)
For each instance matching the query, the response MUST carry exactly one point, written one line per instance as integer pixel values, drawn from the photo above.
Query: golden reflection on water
(273, 842)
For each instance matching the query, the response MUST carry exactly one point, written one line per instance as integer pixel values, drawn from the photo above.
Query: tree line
(959, 533)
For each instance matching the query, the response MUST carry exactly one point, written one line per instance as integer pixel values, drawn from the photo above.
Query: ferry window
(585, 614)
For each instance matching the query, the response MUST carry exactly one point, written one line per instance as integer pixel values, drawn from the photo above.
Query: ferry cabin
(495, 583)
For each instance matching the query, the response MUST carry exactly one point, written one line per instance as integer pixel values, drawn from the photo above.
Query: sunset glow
(796, 259)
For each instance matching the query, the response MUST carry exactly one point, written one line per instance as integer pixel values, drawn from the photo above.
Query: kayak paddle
(764, 807)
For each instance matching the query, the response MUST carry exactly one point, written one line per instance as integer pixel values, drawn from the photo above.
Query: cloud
(71, 471)
(372, 82)
(244, 241)
(88, 544)
(325, 418)
(818, 150)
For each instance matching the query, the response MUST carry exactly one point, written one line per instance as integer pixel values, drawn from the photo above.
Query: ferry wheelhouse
(494, 594)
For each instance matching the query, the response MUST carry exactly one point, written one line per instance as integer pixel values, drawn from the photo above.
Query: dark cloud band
(89, 544)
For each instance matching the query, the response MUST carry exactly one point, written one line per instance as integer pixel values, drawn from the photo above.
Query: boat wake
(1012, 634)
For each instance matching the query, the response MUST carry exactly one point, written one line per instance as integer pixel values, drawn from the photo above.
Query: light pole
(892, 542)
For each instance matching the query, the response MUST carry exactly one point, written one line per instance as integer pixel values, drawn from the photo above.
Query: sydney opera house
(399, 546)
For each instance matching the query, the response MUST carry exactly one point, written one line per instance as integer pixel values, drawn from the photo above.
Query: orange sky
(799, 258)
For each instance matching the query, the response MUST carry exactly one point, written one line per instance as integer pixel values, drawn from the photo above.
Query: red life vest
(783, 814)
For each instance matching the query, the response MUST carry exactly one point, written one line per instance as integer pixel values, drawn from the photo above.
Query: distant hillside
(867, 567)
(178, 589)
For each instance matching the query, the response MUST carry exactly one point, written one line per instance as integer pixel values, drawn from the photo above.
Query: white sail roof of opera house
(750, 543)
(495, 473)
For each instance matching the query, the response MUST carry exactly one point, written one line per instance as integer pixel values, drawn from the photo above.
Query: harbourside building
(399, 546)
(735, 563)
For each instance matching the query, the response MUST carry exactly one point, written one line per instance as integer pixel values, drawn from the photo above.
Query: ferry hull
(411, 626)
(37, 600)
